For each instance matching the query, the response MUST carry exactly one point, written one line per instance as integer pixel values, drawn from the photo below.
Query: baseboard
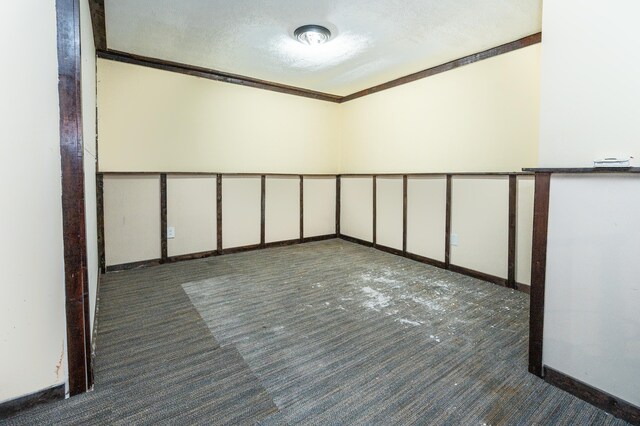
(191, 256)
(134, 265)
(356, 240)
(479, 275)
(14, 406)
(319, 238)
(454, 268)
(525, 288)
(609, 403)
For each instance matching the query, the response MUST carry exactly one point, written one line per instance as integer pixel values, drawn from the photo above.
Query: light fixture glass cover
(312, 35)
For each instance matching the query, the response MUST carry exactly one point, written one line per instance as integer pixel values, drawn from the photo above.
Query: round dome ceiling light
(312, 35)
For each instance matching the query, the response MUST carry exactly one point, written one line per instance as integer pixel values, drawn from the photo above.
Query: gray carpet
(320, 333)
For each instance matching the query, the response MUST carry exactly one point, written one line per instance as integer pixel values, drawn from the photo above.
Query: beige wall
(131, 218)
(389, 212)
(241, 211)
(282, 208)
(426, 216)
(480, 117)
(89, 139)
(153, 120)
(480, 219)
(192, 212)
(32, 302)
(319, 206)
(356, 207)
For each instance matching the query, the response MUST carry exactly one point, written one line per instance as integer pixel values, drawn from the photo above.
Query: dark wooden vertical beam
(98, 22)
(163, 217)
(447, 227)
(219, 212)
(513, 201)
(375, 210)
(73, 202)
(538, 271)
(263, 186)
(301, 208)
(404, 213)
(100, 210)
(338, 207)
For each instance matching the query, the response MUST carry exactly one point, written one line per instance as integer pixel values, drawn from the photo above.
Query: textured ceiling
(373, 41)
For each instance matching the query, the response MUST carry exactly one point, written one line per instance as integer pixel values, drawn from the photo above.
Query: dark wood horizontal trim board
(319, 238)
(479, 275)
(427, 260)
(583, 170)
(436, 174)
(391, 250)
(191, 256)
(134, 265)
(609, 403)
(356, 240)
(11, 407)
(313, 175)
(215, 75)
(505, 48)
(226, 77)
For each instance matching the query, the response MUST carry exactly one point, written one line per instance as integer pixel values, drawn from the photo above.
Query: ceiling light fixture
(312, 35)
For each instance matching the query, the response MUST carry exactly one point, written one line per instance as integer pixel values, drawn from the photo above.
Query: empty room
(328, 212)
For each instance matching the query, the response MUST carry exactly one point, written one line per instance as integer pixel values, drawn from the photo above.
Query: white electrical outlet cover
(454, 239)
(171, 232)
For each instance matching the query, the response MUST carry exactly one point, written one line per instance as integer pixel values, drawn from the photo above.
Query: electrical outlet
(454, 239)
(171, 232)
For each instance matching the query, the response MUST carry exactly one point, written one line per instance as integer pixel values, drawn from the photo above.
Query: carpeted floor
(319, 333)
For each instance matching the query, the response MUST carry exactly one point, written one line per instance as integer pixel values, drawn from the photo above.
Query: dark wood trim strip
(219, 212)
(427, 260)
(513, 201)
(375, 209)
(479, 275)
(447, 226)
(232, 250)
(301, 208)
(429, 174)
(404, 213)
(263, 193)
(603, 400)
(319, 238)
(391, 250)
(191, 256)
(470, 59)
(99, 24)
(538, 271)
(73, 201)
(163, 217)
(581, 170)
(458, 269)
(338, 207)
(11, 407)
(356, 240)
(525, 288)
(100, 221)
(215, 75)
(134, 265)
(319, 175)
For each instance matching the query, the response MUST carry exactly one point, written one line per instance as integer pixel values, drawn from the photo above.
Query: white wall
(32, 301)
(131, 219)
(590, 103)
(480, 218)
(282, 208)
(241, 211)
(389, 211)
(480, 117)
(524, 228)
(592, 295)
(590, 92)
(88, 70)
(356, 207)
(319, 206)
(426, 216)
(192, 212)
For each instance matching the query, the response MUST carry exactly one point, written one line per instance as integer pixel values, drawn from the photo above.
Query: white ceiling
(373, 41)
